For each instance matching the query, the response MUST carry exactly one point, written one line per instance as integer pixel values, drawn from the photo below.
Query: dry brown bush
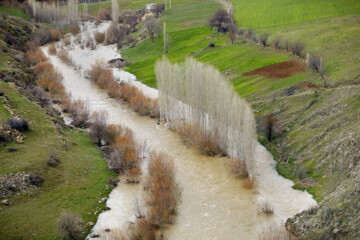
(64, 56)
(67, 41)
(162, 190)
(105, 79)
(35, 57)
(75, 29)
(45, 83)
(95, 71)
(142, 229)
(52, 49)
(248, 183)
(99, 37)
(112, 34)
(104, 14)
(70, 225)
(57, 90)
(206, 142)
(274, 232)
(266, 208)
(238, 168)
(98, 127)
(55, 34)
(125, 156)
(80, 113)
(46, 70)
(111, 132)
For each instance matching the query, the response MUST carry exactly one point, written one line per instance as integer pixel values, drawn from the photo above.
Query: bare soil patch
(279, 70)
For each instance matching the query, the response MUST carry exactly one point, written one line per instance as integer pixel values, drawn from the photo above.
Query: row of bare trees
(196, 94)
(54, 13)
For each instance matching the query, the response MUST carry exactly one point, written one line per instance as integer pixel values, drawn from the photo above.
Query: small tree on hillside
(221, 21)
(150, 25)
(70, 225)
(271, 126)
(233, 32)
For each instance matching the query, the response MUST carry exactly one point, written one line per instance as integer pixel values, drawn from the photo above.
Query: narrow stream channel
(213, 204)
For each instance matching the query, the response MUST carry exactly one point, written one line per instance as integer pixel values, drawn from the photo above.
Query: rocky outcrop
(18, 182)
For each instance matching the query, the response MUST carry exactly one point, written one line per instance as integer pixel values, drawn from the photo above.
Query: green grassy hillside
(76, 184)
(264, 13)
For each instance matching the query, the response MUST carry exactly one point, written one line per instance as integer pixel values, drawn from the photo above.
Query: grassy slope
(15, 12)
(130, 4)
(264, 13)
(76, 184)
(336, 39)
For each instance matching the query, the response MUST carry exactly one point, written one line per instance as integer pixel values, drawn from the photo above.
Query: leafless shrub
(55, 34)
(42, 97)
(159, 8)
(150, 25)
(20, 125)
(75, 29)
(105, 14)
(297, 48)
(238, 168)
(233, 32)
(263, 39)
(129, 20)
(277, 42)
(113, 34)
(287, 45)
(270, 126)
(249, 183)
(52, 49)
(266, 208)
(316, 63)
(162, 190)
(67, 41)
(98, 127)
(70, 225)
(249, 33)
(274, 232)
(80, 112)
(300, 171)
(99, 37)
(220, 21)
(64, 56)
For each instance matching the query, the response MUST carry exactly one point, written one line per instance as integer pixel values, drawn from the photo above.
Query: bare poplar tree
(115, 11)
(197, 94)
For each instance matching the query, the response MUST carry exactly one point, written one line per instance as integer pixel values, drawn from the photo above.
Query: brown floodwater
(213, 204)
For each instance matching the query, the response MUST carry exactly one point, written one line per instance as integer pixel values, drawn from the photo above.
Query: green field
(76, 184)
(15, 12)
(265, 13)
